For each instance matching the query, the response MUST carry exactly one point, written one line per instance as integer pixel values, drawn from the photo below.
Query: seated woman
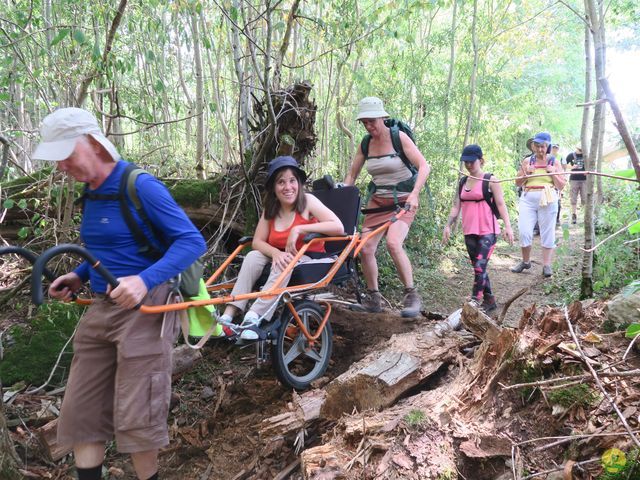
(289, 214)
(479, 221)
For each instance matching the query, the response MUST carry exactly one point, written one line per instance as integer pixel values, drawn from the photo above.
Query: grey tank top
(387, 170)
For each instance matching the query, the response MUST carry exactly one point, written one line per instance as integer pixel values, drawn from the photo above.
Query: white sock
(224, 318)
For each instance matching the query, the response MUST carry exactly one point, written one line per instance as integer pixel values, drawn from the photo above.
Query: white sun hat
(61, 130)
(371, 107)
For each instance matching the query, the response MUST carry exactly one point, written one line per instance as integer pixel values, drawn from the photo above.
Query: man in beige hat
(399, 172)
(120, 379)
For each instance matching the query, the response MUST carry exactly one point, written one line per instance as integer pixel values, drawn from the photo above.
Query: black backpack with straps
(189, 281)
(395, 127)
(486, 193)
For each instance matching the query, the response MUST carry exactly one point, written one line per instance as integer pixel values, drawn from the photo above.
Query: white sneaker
(251, 319)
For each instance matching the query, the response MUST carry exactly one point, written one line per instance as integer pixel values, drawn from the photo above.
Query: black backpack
(486, 193)
(395, 127)
(189, 282)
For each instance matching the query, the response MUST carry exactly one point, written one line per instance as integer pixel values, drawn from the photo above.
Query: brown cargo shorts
(578, 188)
(120, 379)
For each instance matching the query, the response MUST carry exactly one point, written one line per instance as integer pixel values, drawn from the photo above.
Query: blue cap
(284, 162)
(542, 137)
(471, 153)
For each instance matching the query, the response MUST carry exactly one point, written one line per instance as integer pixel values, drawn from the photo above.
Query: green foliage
(581, 395)
(36, 346)
(616, 264)
(415, 418)
(633, 330)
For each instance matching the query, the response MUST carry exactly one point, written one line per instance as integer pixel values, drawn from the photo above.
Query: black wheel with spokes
(296, 360)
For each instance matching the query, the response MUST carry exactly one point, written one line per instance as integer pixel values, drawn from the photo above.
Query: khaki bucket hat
(371, 107)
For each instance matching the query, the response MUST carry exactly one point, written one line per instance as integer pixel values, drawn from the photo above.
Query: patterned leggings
(480, 248)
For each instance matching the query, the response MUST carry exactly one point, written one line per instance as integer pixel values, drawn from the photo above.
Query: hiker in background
(481, 201)
(577, 181)
(398, 171)
(120, 379)
(289, 214)
(538, 203)
(555, 152)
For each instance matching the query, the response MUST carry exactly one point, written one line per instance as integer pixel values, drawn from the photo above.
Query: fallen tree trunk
(416, 438)
(375, 382)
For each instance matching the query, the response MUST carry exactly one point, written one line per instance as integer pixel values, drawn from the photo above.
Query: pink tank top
(477, 217)
(278, 238)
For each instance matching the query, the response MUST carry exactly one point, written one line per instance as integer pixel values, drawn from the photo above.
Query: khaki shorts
(578, 187)
(120, 379)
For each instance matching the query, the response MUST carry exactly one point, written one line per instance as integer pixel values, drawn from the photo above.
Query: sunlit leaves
(60, 36)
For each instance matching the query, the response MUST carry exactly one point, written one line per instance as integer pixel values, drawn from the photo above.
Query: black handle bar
(29, 256)
(42, 260)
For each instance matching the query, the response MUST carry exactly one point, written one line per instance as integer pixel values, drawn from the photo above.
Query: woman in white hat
(394, 182)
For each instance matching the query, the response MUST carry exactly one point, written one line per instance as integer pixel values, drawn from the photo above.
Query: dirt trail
(218, 406)
(505, 284)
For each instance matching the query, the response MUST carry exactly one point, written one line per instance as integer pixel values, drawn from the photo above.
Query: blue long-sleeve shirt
(107, 236)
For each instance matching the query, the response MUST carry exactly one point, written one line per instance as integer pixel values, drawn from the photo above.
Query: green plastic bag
(201, 319)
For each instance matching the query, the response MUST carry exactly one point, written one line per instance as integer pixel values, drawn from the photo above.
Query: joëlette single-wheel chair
(299, 335)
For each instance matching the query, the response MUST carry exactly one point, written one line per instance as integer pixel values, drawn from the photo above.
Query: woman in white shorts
(539, 202)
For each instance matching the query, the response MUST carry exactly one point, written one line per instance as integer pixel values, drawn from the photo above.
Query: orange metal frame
(356, 242)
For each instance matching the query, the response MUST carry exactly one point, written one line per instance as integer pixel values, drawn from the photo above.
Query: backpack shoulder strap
(488, 195)
(364, 145)
(461, 183)
(128, 190)
(396, 142)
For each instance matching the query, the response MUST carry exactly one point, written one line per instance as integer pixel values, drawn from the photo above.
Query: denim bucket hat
(284, 162)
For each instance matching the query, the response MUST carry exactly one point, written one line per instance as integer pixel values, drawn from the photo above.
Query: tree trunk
(621, 125)
(588, 76)
(95, 72)
(474, 74)
(596, 20)
(199, 106)
(450, 76)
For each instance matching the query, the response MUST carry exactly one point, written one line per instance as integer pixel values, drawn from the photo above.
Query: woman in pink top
(479, 222)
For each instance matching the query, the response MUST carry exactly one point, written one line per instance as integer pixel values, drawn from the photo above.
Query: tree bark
(199, 105)
(596, 20)
(450, 75)
(474, 74)
(588, 76)
(621, 125)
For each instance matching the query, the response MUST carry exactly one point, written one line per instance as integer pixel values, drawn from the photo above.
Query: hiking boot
(520, 267)
(373, 302)
(411, 303)
(546, 271)
(574, 219)
(489, 304)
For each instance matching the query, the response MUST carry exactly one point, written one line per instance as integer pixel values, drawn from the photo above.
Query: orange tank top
(278, 238)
